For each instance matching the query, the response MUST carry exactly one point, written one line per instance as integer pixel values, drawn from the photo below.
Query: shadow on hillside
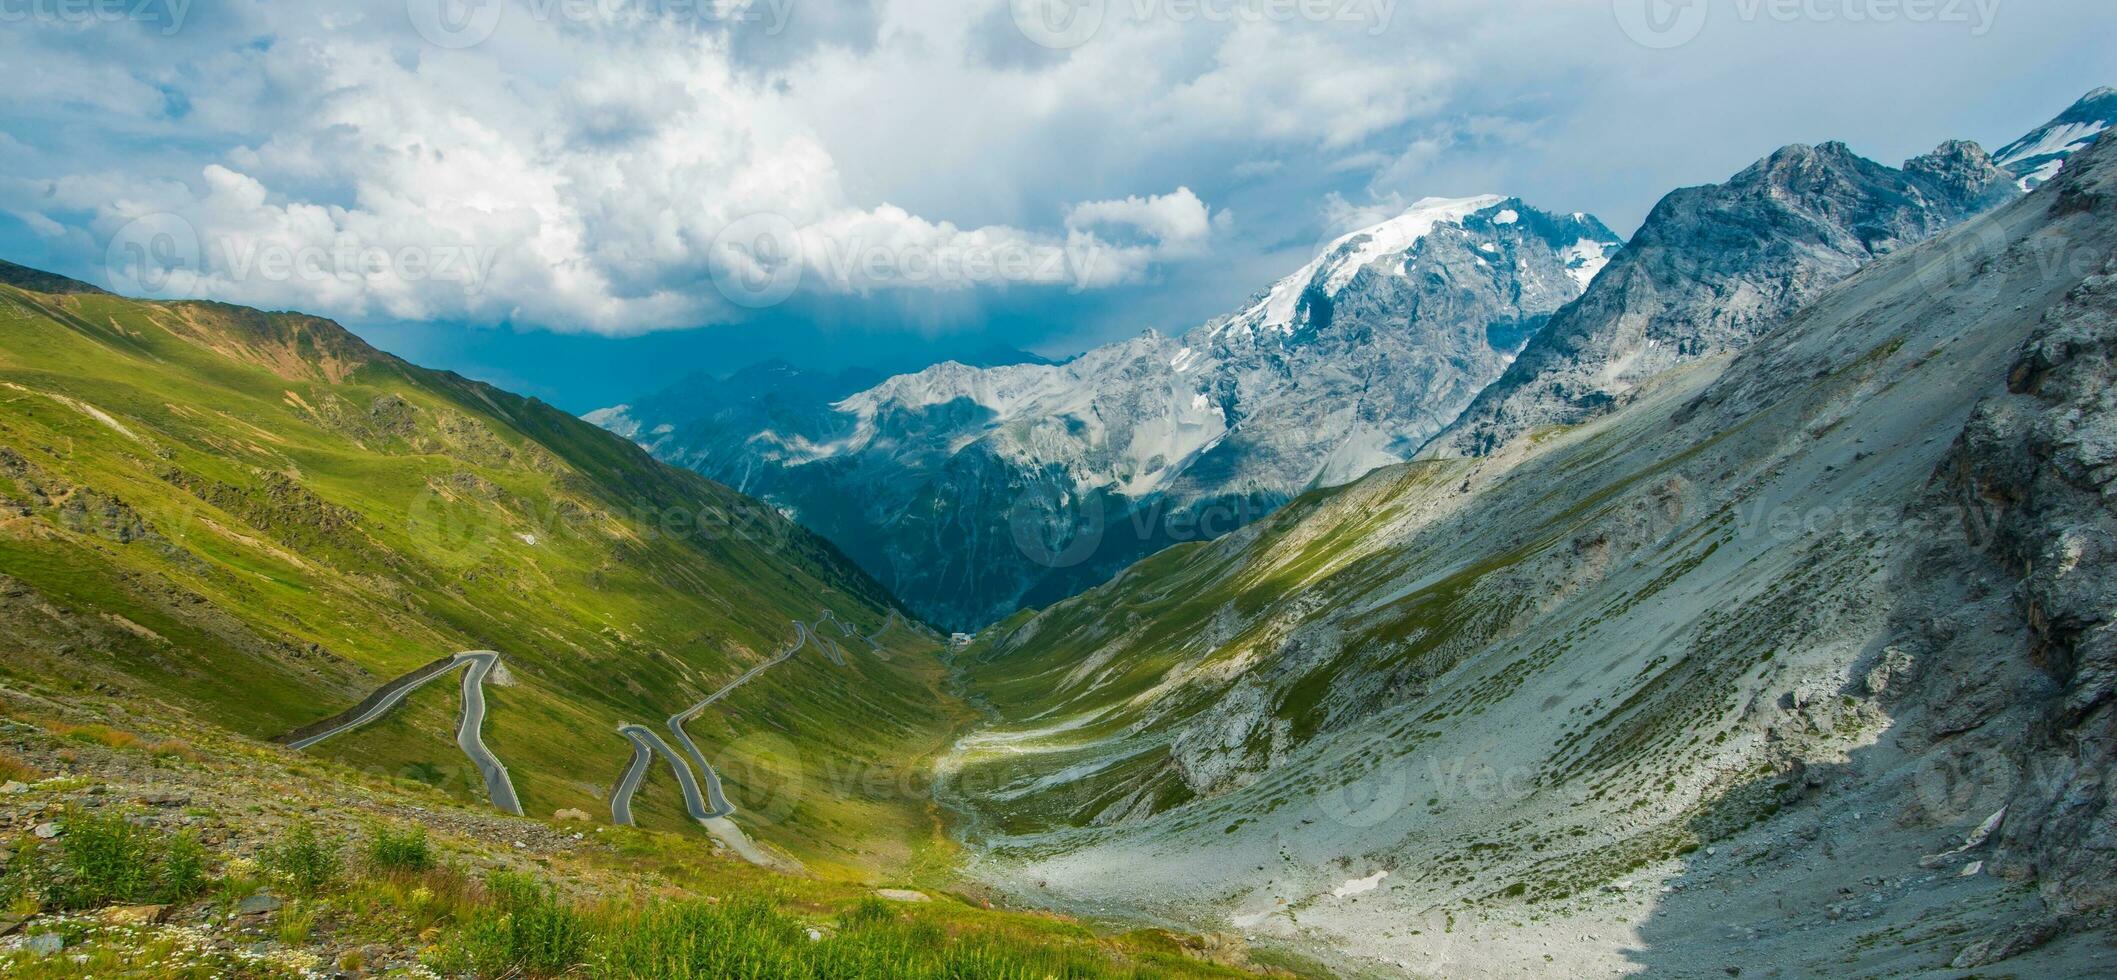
(1864, 867)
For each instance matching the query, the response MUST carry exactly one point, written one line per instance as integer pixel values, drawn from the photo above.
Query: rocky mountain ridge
(1799, 655)
(1715, 265)
(971, 491)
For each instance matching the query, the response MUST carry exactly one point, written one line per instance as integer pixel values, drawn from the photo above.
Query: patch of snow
(1399, 234)
(1506, 217)
(2031, 180)
(617, 419)
(1360, 886)
(1364, 450)
(1584, 260)
(2069, 138)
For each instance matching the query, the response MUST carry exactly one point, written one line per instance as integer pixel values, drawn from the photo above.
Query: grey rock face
(1714, 266)
(2036, 471)
(972, 492)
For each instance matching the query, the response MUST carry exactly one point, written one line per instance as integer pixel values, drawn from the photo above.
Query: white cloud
(1178, 222)
(593, 165)
(555, 177)
(888, 247)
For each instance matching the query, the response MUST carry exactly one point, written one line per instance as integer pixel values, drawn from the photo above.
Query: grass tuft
(308, 861)
(392, 851)
(103, 735)
(524, 929)
(14, 769)
(104, 858)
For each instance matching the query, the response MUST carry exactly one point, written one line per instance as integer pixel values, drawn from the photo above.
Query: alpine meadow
(1038, 489)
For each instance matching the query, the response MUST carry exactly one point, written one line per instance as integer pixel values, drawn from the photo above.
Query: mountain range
(973, 492)
(1485, 598)
(1794, 649)
(2039, 156)
(1713, 266)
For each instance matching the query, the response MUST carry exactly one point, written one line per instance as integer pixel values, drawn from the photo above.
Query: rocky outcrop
(2037, 479)
(1713, 267)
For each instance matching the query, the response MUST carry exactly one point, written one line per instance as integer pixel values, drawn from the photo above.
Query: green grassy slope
(258, 517)
(620, 902)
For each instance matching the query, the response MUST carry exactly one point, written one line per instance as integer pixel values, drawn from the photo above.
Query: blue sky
(586, 199)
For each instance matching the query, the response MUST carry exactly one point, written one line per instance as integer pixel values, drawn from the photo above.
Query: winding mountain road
(874, 640)
(715, 803)
(629, 783)
(644, 744)
(829, 647)
(470, 731)
(470, 723)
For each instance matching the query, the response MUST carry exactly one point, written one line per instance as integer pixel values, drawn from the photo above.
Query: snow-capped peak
(1397, 235)
(2039, 156)
(1348, 254)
